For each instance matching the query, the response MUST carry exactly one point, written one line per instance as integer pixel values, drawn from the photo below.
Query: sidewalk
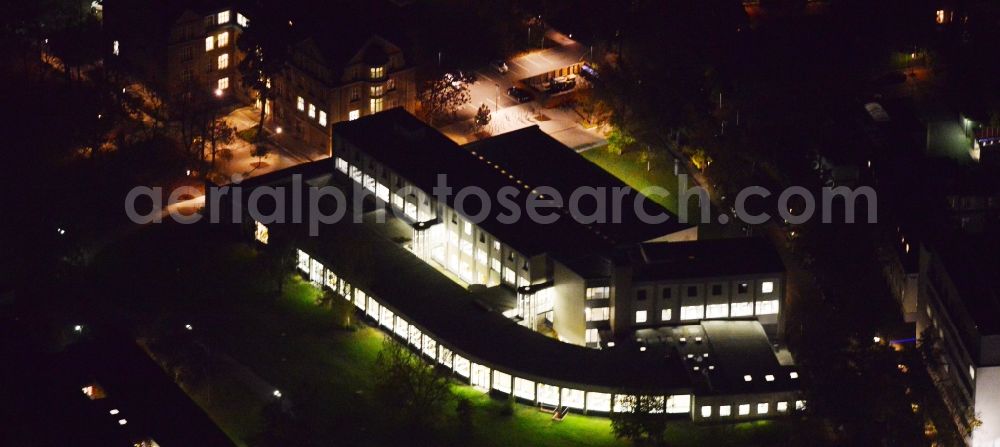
(558, 123)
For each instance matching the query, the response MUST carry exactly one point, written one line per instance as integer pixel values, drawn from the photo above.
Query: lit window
(223, 61)
(223, 39)
(115, 48)
(782, 407)
(939, 16)
(741, 309)
(725, 410)
(322, 118)
(768, 307)
(767, 287)
(376, 90)
(679, 403)
(744, 409)
(599, 402)
(591, 336)
(209, 43)
(312, 111)
(692, 312)
(468, 228)
(300, 103)
(223, 17)
(717, 311)
(666, 314)
(800, 405)
(640, 316)
(377, 72)
(353, 115)
(242, 20)
(223, 83)
(597, 293)
(762, 408)
(523, 388)
(706, 411)
(597, 313)
(375, 105)
(769, 378)
(261, 233)
(748, 378)
(793, 375)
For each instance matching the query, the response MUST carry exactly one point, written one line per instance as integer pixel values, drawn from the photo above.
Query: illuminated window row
(760, 409)
(485, 378)
(220, 40)
(313, 112)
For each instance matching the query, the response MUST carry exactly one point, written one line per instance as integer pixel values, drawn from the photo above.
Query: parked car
(519, 95)
(500, 66)
(561, 84)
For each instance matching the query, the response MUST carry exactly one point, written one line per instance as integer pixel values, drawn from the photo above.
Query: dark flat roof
(708, 258)
(419, 153)
(538, 159)
(742, 348)
(973, 264)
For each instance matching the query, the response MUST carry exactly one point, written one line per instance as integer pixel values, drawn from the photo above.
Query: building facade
(961, 310)
(178, 46)
(586, 284)
(317, 88)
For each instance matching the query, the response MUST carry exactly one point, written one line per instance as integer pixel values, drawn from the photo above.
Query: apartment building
(330, 79)
(177, 45)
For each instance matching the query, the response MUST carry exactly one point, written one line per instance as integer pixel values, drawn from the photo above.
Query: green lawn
(631, 169)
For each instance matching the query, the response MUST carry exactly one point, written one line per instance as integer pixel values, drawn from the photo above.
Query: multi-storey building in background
(174, 46)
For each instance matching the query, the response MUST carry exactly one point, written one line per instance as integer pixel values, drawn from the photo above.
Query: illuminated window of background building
(300, 103)
(303, 261)
(312, 111)
(762, 408)
(242, 20)
(768, 307)
(222, 39)
(375, 105)
(591, 336)
(376, 90)
(223, 61)
(692, 312)
(377, 72)
(445, 356)
(501, 381)
(223, 17)
(599, 402)
(261, 233)
(706, 411)
(717, 311)
(725, 410)
(597, 313)
(572, 398)
(741, 309)
(430, 347)
(480, 376)
(640, 316)
(767, 287)
(744, 409)
(322, 118)
(782, 406)
(548, 394)
(209, 43)
(353, 115)
(597, 293)
(666, 314)
(223, 83)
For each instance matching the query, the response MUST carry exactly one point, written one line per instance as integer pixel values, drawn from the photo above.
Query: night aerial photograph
(500, 223)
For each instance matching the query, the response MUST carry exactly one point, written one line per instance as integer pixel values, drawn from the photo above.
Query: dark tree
(642, 419)
(266, 46)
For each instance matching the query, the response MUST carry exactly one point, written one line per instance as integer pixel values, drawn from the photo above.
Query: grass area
(249, 134)
(631, 168)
